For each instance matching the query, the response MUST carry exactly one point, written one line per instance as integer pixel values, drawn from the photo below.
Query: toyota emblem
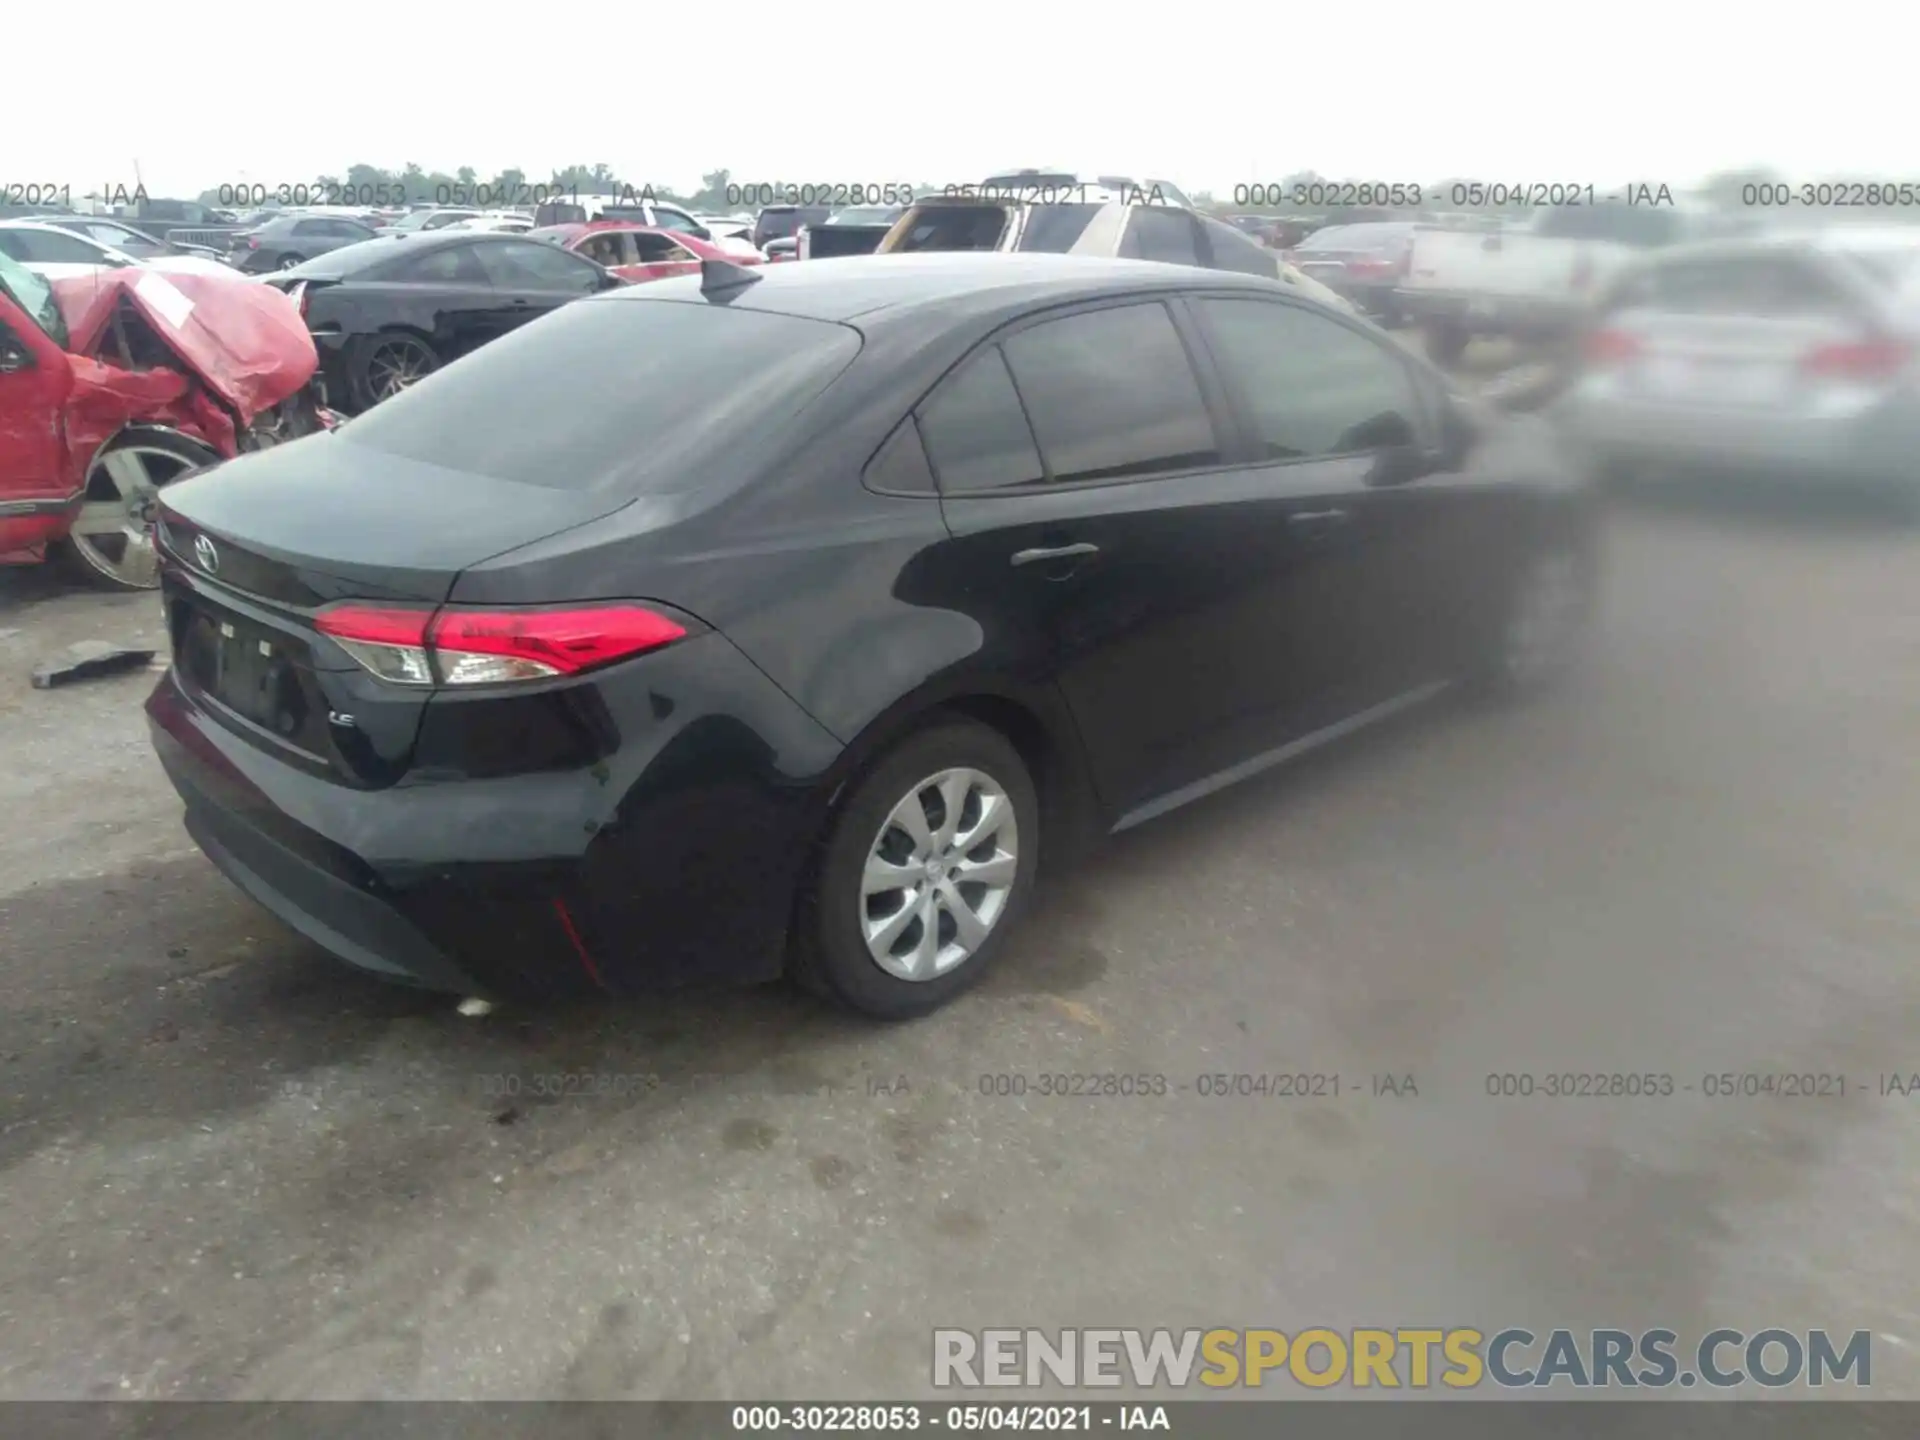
(207, 553)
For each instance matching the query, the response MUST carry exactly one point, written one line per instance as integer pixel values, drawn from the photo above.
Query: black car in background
(1367, 263)
(725, 626)
(289, 240)
(783, 222)
(393, 309)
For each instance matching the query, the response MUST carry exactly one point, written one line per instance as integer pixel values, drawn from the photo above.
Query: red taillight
(492, 647)
(1856, 360)
(1611, 347)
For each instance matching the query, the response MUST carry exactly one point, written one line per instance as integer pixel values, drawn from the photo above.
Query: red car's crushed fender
(204, 354)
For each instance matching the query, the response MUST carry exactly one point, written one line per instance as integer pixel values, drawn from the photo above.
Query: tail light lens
(1611, 347)
(492, 647)
(1856, 360)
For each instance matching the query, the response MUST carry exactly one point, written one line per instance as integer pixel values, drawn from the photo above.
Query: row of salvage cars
(120, 378)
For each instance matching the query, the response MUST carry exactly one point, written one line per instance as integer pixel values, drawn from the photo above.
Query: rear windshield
(952, 227)
(1355, 237)
(640, 397)
(556, 212)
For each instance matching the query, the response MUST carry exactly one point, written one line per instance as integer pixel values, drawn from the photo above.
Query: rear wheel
(926, 867)
(388, 363)
(111, 543)
(288, 261)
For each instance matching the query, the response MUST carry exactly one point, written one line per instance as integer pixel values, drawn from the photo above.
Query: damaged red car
(116, 383)
(636, 253)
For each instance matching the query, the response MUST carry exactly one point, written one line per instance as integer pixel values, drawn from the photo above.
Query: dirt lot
(232, 1168)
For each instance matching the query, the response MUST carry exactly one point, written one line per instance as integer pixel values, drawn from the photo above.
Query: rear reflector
(1856, 360)
(492, 647)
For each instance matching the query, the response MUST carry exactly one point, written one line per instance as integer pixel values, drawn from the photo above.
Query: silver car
(1791, 356)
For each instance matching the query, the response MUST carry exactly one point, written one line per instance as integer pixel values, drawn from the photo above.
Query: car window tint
(623, 395)
(538, 267)
(608, 249)
(656, 249)
(975, 432)
(1111, 393)
(1314, 387)
(954, 227)
(1154, 233)
(451, 265)
(51, 247)
(1054, 229)
(1730, 285)
(1233, 250)
(901, 466)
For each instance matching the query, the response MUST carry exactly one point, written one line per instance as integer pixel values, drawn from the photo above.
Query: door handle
(1317, 517)
(1057, 552)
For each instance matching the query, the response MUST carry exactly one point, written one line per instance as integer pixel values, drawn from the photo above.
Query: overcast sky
(1208, 96)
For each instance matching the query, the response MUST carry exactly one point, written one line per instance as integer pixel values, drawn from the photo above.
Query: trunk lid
(255, 548)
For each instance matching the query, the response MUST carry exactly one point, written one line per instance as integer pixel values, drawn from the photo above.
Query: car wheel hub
(939, 874)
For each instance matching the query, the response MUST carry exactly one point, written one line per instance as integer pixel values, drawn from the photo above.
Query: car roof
(871, 287)
(377, 249)
(1826, 240)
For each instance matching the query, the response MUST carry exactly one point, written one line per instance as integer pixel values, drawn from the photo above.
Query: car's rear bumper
(673, 861)
(1872, 449)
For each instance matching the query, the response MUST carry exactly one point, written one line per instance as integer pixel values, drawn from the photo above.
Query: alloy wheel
(939, 874)
(113, 532)
(395, 364)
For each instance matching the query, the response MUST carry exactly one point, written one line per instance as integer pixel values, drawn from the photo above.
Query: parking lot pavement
(232, 1168)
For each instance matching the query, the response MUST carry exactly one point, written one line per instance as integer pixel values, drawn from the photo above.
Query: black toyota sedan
(788, 620)
(399, 306)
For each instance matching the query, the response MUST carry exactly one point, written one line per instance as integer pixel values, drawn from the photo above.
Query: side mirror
(611, 281)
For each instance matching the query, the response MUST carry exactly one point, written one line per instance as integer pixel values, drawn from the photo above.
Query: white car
(53, 251)
(503, 222)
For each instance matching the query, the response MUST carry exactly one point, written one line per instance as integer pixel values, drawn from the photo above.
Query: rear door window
(451, 265)
(976, 434)
(1312, 386)
(1112, 395)
(1156, 233)
(523, 265)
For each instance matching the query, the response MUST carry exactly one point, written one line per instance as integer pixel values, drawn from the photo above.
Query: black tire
(1497, 672)
(289, 260)
(830, 953)
(367, 350)
(192, 456)
(1446, 341)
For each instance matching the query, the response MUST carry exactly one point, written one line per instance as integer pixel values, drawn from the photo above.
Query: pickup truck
(1532, 281)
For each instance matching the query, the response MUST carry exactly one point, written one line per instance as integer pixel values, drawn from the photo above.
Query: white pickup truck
(1533, 280)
